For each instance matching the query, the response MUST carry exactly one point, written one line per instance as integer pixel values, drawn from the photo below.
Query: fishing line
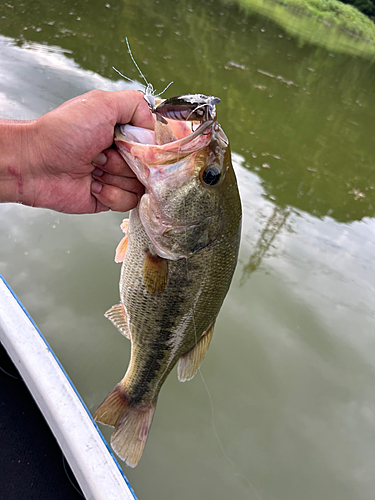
(214, 425)
(219, 441)
(10, 375)
(233, 465)
(67, 475)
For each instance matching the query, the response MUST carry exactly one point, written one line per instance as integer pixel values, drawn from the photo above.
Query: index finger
(131, 107)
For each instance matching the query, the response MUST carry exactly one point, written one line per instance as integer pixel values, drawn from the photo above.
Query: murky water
(290, 407)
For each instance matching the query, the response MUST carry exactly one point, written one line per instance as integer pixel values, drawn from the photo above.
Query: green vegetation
(331, 13)
(338, 14)
(367, 7)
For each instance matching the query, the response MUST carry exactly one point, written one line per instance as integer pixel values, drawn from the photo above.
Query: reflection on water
(52, 78)
(291, 369)
(273, 226)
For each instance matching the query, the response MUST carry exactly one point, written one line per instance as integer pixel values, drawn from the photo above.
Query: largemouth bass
(179, 253)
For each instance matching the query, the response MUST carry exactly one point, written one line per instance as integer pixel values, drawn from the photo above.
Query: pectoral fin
(123, 245)
(155, 273)
(121, 249)
(125, 225)
(118, 317)
(191, 361)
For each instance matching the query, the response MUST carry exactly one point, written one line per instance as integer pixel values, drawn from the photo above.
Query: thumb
(131, 107)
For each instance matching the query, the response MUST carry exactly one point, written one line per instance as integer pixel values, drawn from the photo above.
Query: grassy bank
(337, 14)
(328, 23)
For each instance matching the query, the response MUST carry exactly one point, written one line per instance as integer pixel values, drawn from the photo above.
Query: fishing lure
(188, 107)
(149, 92)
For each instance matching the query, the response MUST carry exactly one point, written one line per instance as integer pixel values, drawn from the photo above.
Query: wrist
(17, 160)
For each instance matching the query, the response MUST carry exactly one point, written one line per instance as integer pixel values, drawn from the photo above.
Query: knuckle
(115, 162)
(110, 194)
(97, 93)
(135, 186)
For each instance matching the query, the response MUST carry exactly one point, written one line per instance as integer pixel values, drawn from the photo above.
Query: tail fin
(132, 424)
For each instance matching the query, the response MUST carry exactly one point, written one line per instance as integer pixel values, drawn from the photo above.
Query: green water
(289, 413)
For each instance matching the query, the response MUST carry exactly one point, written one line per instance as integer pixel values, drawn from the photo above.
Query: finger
(131, 184)
(113, 197)
(112, 162)
(99, 207)
(131, 107)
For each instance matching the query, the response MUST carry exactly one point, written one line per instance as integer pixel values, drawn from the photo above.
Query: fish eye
(211, 175)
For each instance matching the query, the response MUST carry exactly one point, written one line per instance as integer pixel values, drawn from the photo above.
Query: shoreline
(328, 23)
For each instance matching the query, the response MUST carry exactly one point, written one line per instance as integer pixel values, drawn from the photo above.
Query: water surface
(290, 407)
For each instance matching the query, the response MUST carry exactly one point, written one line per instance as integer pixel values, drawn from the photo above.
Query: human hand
(71, 168)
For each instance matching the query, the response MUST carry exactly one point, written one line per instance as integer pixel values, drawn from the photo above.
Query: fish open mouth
(164, 148)
(176, 134)
(164, 160)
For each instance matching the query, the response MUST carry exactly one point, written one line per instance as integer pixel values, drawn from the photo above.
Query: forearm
(17, 154)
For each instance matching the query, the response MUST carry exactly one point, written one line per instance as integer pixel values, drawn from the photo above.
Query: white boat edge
(92, 462)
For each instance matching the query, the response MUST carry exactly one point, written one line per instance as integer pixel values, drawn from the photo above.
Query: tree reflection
(274, 225)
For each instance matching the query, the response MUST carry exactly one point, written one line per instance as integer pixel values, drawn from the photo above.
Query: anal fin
(118, 317)
(191, 361)
(113, 407)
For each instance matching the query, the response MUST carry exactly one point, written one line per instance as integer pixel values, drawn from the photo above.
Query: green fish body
(179, 254)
